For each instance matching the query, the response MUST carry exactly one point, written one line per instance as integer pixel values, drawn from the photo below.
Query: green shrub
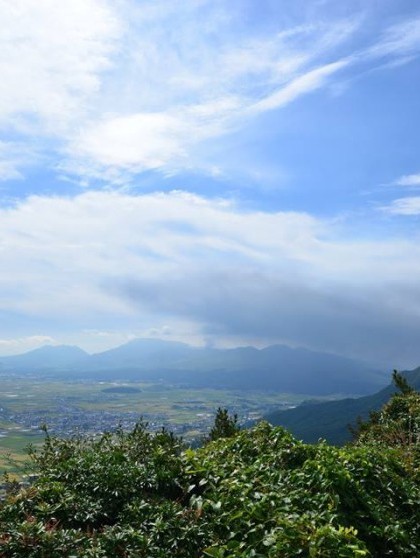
(259, 493)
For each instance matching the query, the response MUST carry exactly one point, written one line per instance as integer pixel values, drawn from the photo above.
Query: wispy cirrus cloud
(197, 94)
(400, 41)
(223, 89)
(404, 206)
(305, 83)
(408, 205)
(120, 88)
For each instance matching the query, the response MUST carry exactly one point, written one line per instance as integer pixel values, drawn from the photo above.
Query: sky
(218, 172)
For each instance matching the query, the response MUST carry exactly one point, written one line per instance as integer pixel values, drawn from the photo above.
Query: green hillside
(330, 420)
(257, 494)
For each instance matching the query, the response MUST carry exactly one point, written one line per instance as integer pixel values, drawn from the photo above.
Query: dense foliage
(259, 493)
(396, 425)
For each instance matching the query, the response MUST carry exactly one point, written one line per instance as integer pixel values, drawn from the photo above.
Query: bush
(260, 493)
(396, 425)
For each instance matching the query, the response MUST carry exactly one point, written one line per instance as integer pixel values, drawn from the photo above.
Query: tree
(396, 425)
(401, 383)
(225, 426)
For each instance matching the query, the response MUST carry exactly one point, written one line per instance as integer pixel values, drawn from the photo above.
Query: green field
(14, 442)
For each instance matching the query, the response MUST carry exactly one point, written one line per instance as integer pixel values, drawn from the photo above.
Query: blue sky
(217, 172)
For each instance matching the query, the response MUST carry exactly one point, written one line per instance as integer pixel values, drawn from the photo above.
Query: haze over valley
(274, 368)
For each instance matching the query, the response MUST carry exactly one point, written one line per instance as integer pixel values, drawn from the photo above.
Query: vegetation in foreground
(257, 493)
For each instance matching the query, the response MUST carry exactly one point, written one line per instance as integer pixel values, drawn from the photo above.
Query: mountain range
(330, 420)
(277, 367)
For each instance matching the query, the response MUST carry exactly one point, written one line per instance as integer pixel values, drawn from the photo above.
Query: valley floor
(72, 407)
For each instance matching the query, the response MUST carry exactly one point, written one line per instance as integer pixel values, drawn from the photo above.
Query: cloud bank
(225, 273)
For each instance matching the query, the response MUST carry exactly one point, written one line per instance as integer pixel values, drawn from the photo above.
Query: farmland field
(72, 407)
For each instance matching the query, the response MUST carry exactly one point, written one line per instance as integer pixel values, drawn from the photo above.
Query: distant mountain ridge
(46, 357)
(330, 420)
(276, 367)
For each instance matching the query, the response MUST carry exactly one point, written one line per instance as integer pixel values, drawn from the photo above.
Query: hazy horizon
(218, 173)
(384, 367)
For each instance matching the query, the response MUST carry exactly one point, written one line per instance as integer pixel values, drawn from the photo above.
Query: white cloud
(22, 344)
(9, 171)
(104, 259)
(116, 88)
(51, 57)
(401, 40)
(139, 140)
(301, 85)
(164, 140)
(159, 140)
(404, 206)
(409, 205)
(408, 180)
(177, 74)
(13, 157)
(205, 80)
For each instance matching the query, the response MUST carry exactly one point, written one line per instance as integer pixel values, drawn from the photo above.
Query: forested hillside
(256, 493)
(332, 420)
